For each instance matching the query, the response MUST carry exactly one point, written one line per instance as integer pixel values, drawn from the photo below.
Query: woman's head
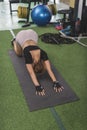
(39, 67)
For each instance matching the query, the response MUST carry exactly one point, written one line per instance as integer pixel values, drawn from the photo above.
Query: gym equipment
(55, 38)
(76, 39)
(51, 98)
(41, 15)
(84, 21)
(22, 12)
(13, 2)
(53, 8)
(67, 30)
(65, 12)
(59, 27)
(29, 8)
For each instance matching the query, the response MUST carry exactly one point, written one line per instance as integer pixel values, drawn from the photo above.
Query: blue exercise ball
(41, 15)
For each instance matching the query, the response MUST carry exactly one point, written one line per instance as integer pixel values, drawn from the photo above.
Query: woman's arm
(32, 74)
(56, 85)
(49, 70)
(39, 88)
(45, 58)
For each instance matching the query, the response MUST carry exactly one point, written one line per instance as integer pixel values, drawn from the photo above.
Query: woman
(36, 59)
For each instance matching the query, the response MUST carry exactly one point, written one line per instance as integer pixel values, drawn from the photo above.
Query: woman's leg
(17, 48)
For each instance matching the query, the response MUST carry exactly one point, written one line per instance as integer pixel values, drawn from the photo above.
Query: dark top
(28, 56)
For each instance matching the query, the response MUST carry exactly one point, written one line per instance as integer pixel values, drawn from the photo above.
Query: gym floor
(8, 21)
(71, 61)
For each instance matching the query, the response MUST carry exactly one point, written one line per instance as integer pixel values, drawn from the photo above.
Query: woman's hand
(40, 90)
(57, 87)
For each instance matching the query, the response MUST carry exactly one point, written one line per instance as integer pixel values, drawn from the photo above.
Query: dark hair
(39, 67)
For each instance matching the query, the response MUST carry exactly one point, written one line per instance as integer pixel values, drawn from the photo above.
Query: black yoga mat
(51, 98)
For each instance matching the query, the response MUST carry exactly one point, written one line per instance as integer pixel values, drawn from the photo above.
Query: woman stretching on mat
(36, 59)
